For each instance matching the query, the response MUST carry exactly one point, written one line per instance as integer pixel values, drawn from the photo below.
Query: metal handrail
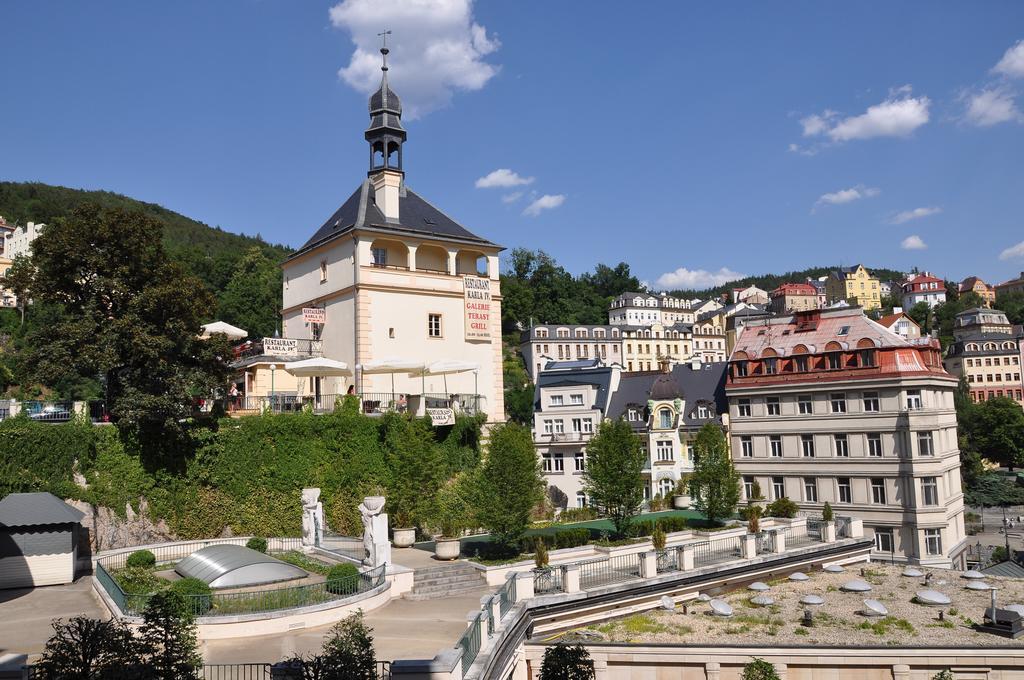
(469, 643)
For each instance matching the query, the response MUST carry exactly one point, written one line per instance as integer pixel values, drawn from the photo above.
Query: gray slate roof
(600, 377)
(35, 509)
(417, 217)
(1005, 568)
(706, 384)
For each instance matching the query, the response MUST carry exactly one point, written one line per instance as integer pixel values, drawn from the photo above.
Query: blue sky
(684, 138)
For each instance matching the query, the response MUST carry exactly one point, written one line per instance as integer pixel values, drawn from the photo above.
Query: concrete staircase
(448, 580)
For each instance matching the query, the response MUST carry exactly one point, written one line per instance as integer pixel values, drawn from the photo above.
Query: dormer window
(576, 399)
(665, 419)
(703, 412)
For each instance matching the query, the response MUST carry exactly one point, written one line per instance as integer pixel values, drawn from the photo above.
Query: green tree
(518, 390)
(1013, 305)
(715, 485)
(508, 484)
(252, 298)
(348, 651)
(996, 431)
(90, 649)
(416, 466)
(993, 489)
(128, 315)
(759, 669)
(168, 636)
(567, 662)
(613, 478)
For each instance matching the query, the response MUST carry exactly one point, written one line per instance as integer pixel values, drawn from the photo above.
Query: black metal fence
(548, 580)
(717, 550)
(605, 570)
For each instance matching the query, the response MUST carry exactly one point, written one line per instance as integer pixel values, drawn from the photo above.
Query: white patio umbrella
(317, 366)
(391, 365)
(225, 328)
(446, 367)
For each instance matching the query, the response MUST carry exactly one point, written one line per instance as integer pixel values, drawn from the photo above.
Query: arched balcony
(389, 254)
(471, 262)
(431, 258)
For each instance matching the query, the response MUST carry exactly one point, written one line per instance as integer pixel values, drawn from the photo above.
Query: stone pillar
(570, 578)
(524, 585)
(412, 257)
(600, 667)
(375, 532)
(452, 264)
(828, 532)
(713, 670)
(856, 527)
(900, 671)
(686, 557)
(648, 564)
(80, 408)
(749, 546)
(781, 669)
(15, 408)
(779, 541)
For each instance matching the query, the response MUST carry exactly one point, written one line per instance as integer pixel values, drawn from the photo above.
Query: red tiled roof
(889, 321)
(795, 289)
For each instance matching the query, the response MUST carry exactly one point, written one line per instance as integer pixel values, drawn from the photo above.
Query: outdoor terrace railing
(235, 671)
(460, 402)
(607, 570)
(668, 560)
(298, 348)
(173, 552)
(507, 596)
(549, 580)
(717, 550)
(795, 540)
(470, 642)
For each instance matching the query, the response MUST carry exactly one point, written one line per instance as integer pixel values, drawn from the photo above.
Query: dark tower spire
(385, 134)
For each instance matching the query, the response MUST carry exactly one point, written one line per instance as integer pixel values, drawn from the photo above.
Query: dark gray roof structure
(36, 509)
(569, 365)
(598, 376)
(704, 384)
(1006, 568)
(227, 566)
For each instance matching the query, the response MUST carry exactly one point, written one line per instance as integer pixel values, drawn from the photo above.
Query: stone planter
(403, 538)
(681, 502)
(447, 549)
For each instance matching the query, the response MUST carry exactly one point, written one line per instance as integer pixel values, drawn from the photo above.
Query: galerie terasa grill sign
(477, 301)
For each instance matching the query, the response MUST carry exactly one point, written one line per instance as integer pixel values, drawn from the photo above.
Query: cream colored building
(542, 344)
(987, 349)
(1012, 286)
(829, 406)
(397, 280)
(709, 340)
(647, 309)
(856, 286)
(647, 348)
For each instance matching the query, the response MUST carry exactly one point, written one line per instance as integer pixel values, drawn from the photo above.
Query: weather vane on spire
(384, 48)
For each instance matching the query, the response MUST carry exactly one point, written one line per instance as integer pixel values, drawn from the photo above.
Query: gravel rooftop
(837, 621)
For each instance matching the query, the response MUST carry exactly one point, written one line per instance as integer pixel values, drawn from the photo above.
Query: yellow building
(856, 286)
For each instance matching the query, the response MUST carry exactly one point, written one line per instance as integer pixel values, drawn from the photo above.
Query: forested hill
(769, 282)
(218, 257)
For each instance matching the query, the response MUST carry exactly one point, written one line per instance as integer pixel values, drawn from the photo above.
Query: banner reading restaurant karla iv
(477, 303)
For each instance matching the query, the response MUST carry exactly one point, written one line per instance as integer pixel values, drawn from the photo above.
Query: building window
(871, 402)
(547, 427)
(581, 499)
(810, 489)
(581, 462)
(559, 427)
(577, 425)
(702, 412)
(842, 446)
(576, 399)
(739, 368)
(664, 449)
(878, 491)
(747, 447)
(933, 541)
(770, 366)
(913, 400)
(588, 425)
(845, 493)
(546, 462)
(774, 407)
(434, 325)
(778, 488)
(884, 541)
(801, 364)
(805, 404)
(875, 445)
(930, 490)
(323, 271)
(665, 419)
(665, 488)
(380, 256)
(924, 444)
(743, 407)
(775, 442)
(557, 400)
(835, 360)
(807, 445)
(748, 487)
(838, 403)
(559, 462)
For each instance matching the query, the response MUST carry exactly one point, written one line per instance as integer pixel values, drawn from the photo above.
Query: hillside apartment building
(972, 284)
(923, 287)
(831, 406)
(856, 286)
(989, 350)
(1012, 286)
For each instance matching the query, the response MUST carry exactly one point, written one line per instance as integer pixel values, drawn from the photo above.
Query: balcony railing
(370, 403)
(303, 348)
(564, 437)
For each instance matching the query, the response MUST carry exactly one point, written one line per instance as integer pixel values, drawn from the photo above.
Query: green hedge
(645, 527)
(197, 595)
(43, 457)
(342, 579)
(257, 543)
(142, 559)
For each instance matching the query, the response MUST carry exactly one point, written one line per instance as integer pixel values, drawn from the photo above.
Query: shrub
(509, 484)
(754, 520)
(540, 555)
(658, 538)
(88, 648)
(197, 595)
(141, 558)
(657, 503)
(672, 523)
(759, 669)
(570, 515)
(755, 491)
(572, 538)
(343, 579)
(565, 662)
(826, 512)
(348, 650)
(257, 543)
(783, 507)
(169, 638)
(136, 580)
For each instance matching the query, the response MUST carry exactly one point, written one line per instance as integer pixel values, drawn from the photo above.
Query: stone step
(440, 580)
(434, 587)
(417, 595)
(447, 570)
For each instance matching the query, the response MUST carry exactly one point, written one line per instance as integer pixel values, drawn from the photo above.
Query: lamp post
(273, 370)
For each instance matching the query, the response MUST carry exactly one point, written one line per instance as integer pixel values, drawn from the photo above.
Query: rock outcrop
(107, 530)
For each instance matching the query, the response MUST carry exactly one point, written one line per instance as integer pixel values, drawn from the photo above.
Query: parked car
(53, 414)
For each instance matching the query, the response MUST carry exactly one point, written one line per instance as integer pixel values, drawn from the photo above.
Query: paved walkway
(26, 614)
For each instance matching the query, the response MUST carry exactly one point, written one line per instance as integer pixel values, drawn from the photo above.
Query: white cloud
(1013, 252)
(696, 279)
(512, 198)
(504, 178)
(913, 242)
(897, 116)
(436, 48)
(545, 202)
(847, 195)
(803, 150)
(915, 214)
(1012, 63)
(991, 107)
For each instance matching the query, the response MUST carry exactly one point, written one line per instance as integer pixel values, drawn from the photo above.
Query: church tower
(386, 136)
